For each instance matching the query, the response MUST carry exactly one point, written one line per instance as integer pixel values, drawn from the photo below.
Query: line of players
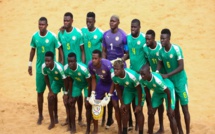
(87, 54)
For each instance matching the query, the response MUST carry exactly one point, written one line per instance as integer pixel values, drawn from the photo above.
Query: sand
(192, 26)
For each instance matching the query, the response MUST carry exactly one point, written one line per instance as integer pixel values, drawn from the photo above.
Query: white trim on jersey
(44, 35)
(43, 66)
(178, 53)
(84, 69)
(159, 82)
(133, 78)
(60, 69)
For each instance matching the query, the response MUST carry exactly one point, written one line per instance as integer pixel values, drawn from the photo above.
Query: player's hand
(51, 94)
(30, 70)
(137, 109)
(62, 29)
(150, 110)
(106, 100)
(65, 99)
(164, 76)
(123, 108)
(170, 112)
(92, 98)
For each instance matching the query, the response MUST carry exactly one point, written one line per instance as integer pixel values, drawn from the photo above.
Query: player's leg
(160, 117)
(130, 121)
(117, 112)
(56, 88)
(51, 100)
(178, 117)
(184, 99)
(88, 115)
(125, 118)
(56, 110)
(68, 121)
(80, 106)
(72, 102)
(40, 87)
(103, 117)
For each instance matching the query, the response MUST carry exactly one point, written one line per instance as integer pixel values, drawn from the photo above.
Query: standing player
(79, 79)
(152, 53)
(171, 57)
(114, 46)
(132, 91)
(102, 67)
(92, 37)
(71, 39)
(53, 70)
(42, 41)
(163, 89)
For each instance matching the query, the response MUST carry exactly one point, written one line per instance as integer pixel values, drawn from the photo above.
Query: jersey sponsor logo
(127, 83)
(117, 38)
(157, 53)
(56, 78)
(171, 55)
(47, 41)
(73, 38)
(95, 36)
(138, 42)
(56, 72)
(103, 71)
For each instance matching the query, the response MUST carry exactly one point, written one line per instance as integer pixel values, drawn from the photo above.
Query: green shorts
(130, 94)
(181, 93)
(40, 82)
(157, 99)
(56, 87)
(77, 91)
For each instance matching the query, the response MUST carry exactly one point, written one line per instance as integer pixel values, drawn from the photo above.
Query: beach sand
(192, 26)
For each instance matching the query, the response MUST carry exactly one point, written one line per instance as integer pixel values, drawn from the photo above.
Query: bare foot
(51, 126)
(80, 123)
(39, 121)
(56, 120)
(130, 128)
(160, 131)
(87, 132)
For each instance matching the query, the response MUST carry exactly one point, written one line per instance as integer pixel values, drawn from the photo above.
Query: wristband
(65, 92)
(30, 63)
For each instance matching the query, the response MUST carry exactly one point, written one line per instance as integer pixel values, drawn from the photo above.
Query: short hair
(145, 67)
(119, 62)
(70, 55)
(115, 16)
(136, 21)
(151, 32)
(69, 14)
(98, 52)
(91, 14)
(43, 19)
(166, 31)
(49, 54)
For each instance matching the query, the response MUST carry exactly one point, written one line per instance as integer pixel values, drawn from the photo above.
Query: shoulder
(59, 66)
(53, 34)
(132, 74)
(142, 34)
(122, 32)
(43, 65)
(77, 30)
(176, 47)
(98, 29)
(82, 66)
(66, 67)
(157, 77)
(35, 34)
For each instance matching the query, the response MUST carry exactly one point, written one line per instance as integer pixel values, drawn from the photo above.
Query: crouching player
(54, 70)
(163, 89)
(78, 78)
(132, 91)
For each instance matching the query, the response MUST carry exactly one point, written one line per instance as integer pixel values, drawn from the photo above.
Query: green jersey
(42, 44)
(79, 75)
(170, 62)
(152, 56)
(57, 73)
(71, 42)
(136, 51)
(157, 83)
(92, 40)
(130, 81)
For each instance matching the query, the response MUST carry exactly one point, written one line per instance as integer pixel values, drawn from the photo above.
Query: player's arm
(32, 53)
(61, 60)
(178, 69)
(82, 53)
(70, 81)
(148, 97)
(170, 111)
(89, 86)
(139, 92)
(93, 82)
(47, 82)
(119, 93)
(104, 52)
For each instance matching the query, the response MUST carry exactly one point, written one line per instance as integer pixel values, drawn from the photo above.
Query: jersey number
(111, 46)
(89, 44)
(185, 95)
(43, 49)
(68, 46)
(168, 65)
(154, 61)
(134, 50)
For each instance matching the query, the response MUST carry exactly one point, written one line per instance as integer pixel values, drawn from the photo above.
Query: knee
(50, 100)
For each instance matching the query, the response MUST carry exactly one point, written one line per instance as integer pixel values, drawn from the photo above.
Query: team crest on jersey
(56, 78)
(154, 85)
(117, 38)
(138, 42)
(157, 54)
(170, 55)
(56, 72)
(47, 41)
(127, 83)
(95, 37)
(103, 71)
(79, 74)
(73, 38)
